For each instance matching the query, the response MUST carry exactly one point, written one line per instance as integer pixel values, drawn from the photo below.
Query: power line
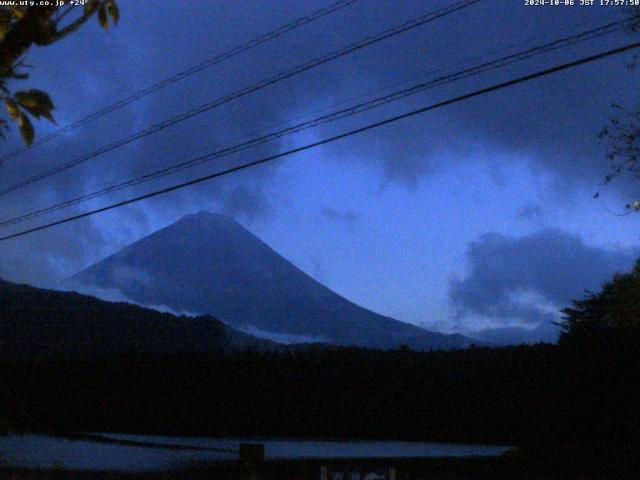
(272, 35)
(359, 108)
(334, 138)
(336, 115)
(411, 24)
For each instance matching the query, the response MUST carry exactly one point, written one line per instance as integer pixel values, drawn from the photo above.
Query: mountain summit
(209, 264)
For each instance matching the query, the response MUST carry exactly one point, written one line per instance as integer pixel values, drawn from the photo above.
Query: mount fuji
(208, 264)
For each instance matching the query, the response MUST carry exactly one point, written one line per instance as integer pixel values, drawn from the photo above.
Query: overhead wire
(333, 116)
(412, 113)
(388, 33)
(226, 55)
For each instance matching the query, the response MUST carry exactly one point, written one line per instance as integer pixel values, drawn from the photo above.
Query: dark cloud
(245, 200)
(531, 212)
(40, 260)
(347, 217)
(553, 122)
(525, 280)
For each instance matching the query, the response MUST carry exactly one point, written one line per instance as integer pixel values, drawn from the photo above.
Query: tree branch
(32, 27)
(37, 26)
(73, 26)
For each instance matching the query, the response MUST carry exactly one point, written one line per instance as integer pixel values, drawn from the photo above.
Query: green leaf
(102, 17)
(49, 117)
(26, 129)
(12, 108)
(114, 11)
(37, 103)
(34, 99)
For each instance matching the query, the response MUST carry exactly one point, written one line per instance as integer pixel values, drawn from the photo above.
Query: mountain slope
(208, 263)
(37, 323)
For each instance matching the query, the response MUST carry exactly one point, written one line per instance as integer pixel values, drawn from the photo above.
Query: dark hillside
(37, 324)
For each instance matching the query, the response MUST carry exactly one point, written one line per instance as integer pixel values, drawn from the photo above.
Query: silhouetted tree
(42, 25)
(623, 131)
(610, 317)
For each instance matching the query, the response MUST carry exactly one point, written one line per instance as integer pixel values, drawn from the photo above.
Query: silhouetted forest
(583, 391)
(39, 324)
(516, 395)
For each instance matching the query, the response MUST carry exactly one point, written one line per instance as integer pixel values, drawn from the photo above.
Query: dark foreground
(615, 463)
(508, 396)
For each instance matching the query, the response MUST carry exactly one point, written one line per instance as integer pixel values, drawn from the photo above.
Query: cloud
(285, 338)
(531, 212)
(556, 127)
(115, 295)
(526, 280)
(544, 332)
(347, 217)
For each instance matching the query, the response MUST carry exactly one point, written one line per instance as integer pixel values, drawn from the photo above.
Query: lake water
(41, 451)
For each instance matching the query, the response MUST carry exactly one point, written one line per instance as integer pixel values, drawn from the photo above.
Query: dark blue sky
(479, 214)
